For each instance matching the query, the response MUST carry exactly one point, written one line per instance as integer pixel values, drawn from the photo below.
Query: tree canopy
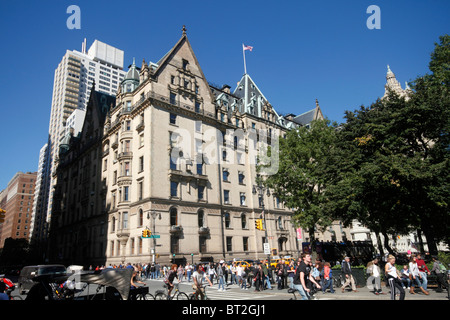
(387, 166)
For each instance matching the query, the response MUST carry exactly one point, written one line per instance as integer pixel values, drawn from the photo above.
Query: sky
(302, 51)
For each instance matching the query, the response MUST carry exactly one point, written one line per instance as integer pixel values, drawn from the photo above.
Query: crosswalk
(234, 294)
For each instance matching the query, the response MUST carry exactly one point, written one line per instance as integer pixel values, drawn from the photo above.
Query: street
(234, 293)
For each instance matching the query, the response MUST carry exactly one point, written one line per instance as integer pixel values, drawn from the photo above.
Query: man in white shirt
(198, 277)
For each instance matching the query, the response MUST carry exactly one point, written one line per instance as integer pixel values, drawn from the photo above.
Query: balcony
(124, 180)
(125, 155)
(203, 230)
(176, 229)
(123, 235)
(140, 126)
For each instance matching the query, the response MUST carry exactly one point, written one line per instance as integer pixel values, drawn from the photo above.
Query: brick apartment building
(17, 200)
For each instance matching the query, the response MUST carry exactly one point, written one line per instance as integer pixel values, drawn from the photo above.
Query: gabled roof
(309, 116)
(172, 52)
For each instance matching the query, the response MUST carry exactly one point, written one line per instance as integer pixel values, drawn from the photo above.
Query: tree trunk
(380, 244)
(386, 243)
(419, 236)
(431, 243)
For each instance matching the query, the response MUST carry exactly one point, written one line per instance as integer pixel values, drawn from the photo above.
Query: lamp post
(154, 215)
(260, 190)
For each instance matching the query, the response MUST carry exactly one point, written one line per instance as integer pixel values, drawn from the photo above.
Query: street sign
(153, 236)
(266, 248)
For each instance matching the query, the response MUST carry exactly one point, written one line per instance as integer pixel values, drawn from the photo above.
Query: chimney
(226, 88)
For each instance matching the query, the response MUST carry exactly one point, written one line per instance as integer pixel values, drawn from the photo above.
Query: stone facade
(169, 170)
(178, 156)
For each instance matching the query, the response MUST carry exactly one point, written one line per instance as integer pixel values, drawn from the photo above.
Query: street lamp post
(154, 215)
(260, 190)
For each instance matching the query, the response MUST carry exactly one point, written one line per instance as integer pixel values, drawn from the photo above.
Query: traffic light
(2, 215)
(146, 233)
(259, 224)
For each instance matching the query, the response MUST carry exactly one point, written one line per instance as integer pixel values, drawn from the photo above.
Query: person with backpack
(244, 276)
(327, 279)
(266, 276)
(441, 271)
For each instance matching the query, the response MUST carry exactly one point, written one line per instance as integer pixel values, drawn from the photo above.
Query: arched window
(173, 216)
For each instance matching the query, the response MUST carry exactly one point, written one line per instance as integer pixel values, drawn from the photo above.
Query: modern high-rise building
(74, 77)
(17, 200)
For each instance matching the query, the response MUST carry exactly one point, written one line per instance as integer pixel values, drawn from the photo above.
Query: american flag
(247, 47)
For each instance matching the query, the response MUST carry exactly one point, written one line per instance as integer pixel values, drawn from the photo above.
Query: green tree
(300, 181)
(392, 160)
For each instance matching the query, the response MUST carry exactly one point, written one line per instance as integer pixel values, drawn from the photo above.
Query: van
(27, 274)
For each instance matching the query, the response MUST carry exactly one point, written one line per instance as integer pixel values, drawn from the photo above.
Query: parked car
(27, 274)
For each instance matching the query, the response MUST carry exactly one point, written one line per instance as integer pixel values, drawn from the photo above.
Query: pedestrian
(347, 271)
(424, 271)
(258, 278)
(440, 270)
(239, 270)
(152, 271)
(415, 276)
(395, 284)
(303, 279)
(180, 272)
(290, 274)
(220, 272)
(211, 272)
(327, 279)
(266, 277)
(316, 271)
(226, 271)
(188, 270)
(281, 272)
(374, 279)
(244, 276)
(234, 277)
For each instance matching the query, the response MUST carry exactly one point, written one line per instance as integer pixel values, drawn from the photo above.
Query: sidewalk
(365, 294)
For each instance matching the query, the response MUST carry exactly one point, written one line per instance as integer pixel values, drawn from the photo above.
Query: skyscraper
(74, 78)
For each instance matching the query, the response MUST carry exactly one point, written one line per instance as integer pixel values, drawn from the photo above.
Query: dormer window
(185, 64)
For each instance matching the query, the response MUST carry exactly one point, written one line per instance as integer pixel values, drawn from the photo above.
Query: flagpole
(243, 53)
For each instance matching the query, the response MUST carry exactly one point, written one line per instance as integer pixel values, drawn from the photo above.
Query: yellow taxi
(275, 262)
(242, 262)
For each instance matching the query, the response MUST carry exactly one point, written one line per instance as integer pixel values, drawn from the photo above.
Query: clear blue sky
(303, 50)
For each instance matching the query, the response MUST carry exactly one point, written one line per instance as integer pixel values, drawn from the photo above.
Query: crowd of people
(302, 275)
